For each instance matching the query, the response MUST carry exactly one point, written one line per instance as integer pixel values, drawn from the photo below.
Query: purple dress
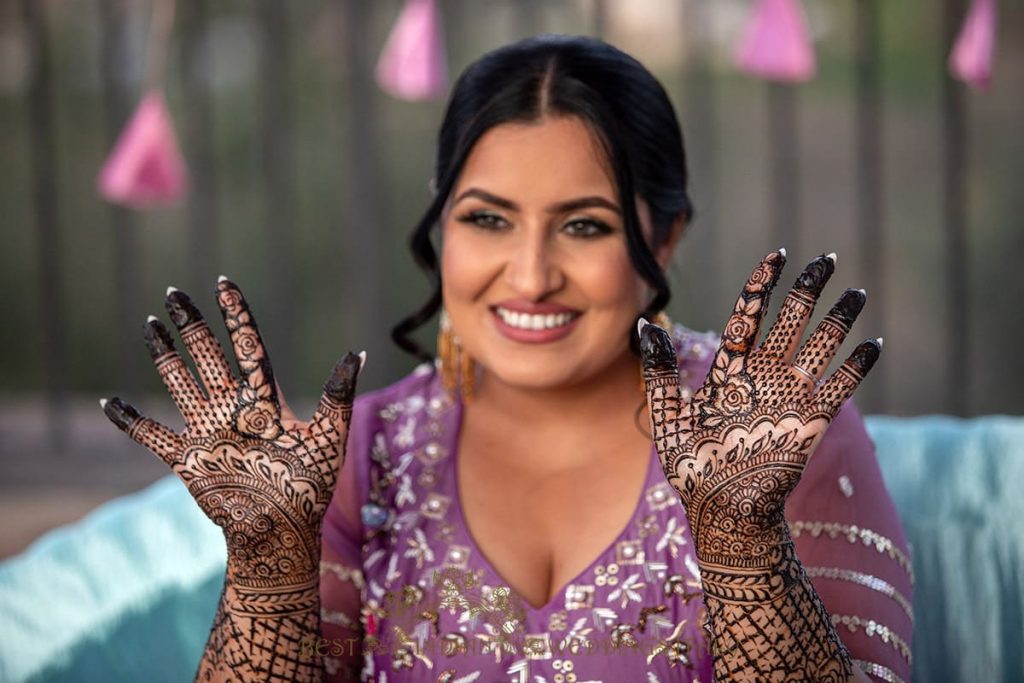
(435, 609)
(431, 608)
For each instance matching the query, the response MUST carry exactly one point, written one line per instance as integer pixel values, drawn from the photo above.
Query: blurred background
(306, 178)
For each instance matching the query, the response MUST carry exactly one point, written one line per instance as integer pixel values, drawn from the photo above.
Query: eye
(587, 228)
(488, 220)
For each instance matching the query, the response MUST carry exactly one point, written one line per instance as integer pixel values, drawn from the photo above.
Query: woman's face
(535, 274)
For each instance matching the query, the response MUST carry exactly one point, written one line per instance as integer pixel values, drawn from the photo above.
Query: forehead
(554, 158)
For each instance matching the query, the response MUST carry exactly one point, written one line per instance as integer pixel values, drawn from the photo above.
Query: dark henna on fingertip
(866, 355)
(182, 310)
(341, 385)
(815, 276)
(849, 306)
(120, 413)
(158, 339)
(656, 348)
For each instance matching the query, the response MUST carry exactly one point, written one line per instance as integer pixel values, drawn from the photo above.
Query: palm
(738, 448)
(266, 485)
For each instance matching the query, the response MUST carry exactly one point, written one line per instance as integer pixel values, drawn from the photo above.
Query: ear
(663, 254)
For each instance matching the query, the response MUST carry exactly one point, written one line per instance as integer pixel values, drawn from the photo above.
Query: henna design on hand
(736, 451)
(266, 485)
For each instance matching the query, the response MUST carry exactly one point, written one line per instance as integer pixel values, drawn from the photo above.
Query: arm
(265, 483)
(736, 451)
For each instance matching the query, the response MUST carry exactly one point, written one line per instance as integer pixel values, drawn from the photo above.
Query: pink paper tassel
(776, 43)
(146, 167)
(412, 65)
(971, 59)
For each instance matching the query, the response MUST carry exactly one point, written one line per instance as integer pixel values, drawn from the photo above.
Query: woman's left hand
(736, 451)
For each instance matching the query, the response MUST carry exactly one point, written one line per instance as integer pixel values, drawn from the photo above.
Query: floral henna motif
(736, 451)
(265, 485)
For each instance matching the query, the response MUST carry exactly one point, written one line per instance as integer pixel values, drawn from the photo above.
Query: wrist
(284, 598)
(752, 567)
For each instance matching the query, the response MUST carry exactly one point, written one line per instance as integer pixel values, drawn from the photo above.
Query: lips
(534, 322)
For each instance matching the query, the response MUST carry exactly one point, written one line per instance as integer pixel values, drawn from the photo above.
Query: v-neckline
(474, 547)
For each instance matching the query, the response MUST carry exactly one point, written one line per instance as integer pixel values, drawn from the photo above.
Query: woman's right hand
(266, 482)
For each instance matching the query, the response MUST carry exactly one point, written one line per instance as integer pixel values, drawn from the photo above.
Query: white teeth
(537, 321)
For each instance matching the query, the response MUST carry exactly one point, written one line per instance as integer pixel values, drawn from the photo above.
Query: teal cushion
(957, 484)
(126, 594)
(129, 592)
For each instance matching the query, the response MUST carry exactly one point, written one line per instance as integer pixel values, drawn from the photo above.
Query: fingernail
(832, 257)
(222, 278)
(879, 340)
(103, 403)
(120, 413)
(815, 276)
(782, 250)
(151, 318)
(181, 309)
(849, 306)
(640, 325)
(158, 339)
(341, 385)
(171, 289)
(656, 348)
(362, 360)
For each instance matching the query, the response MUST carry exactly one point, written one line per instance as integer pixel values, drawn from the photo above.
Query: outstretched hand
(738, 448)
(265, 478)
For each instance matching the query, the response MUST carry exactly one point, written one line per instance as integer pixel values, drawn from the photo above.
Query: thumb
(339, 391)
(661, 378)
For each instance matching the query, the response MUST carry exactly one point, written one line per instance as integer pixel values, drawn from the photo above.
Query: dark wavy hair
(556, 75)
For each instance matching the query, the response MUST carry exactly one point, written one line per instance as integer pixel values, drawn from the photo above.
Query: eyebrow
(560, 207)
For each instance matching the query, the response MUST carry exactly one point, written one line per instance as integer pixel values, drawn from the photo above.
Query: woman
(504, 516)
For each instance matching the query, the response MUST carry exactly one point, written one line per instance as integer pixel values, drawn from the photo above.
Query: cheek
(464, 266)
(611, 281)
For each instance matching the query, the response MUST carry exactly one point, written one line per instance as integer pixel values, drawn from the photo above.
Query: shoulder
(376, 410)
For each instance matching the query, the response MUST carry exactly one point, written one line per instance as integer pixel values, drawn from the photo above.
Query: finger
(820, 348)
(844, 381)
(741, 331)
(664, 400)
(785, 335)
(328, 430)
(178, 379)
(149, 433)
(258, 413)
(211, 363)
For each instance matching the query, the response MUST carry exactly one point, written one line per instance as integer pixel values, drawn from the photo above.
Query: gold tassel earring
(458, 369)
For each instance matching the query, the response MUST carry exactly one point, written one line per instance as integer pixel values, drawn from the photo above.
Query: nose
(533, 269)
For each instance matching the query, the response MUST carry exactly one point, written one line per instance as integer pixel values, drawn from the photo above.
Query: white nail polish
(151, 319)
(640, 325)
(362, 360)
(782, 250)
(222, 278)
(171, 290)
(833, 257)
(879, 340)
(103, 403)
(862, 291)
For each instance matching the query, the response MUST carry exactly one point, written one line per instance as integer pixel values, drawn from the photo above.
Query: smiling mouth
(535, 321)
